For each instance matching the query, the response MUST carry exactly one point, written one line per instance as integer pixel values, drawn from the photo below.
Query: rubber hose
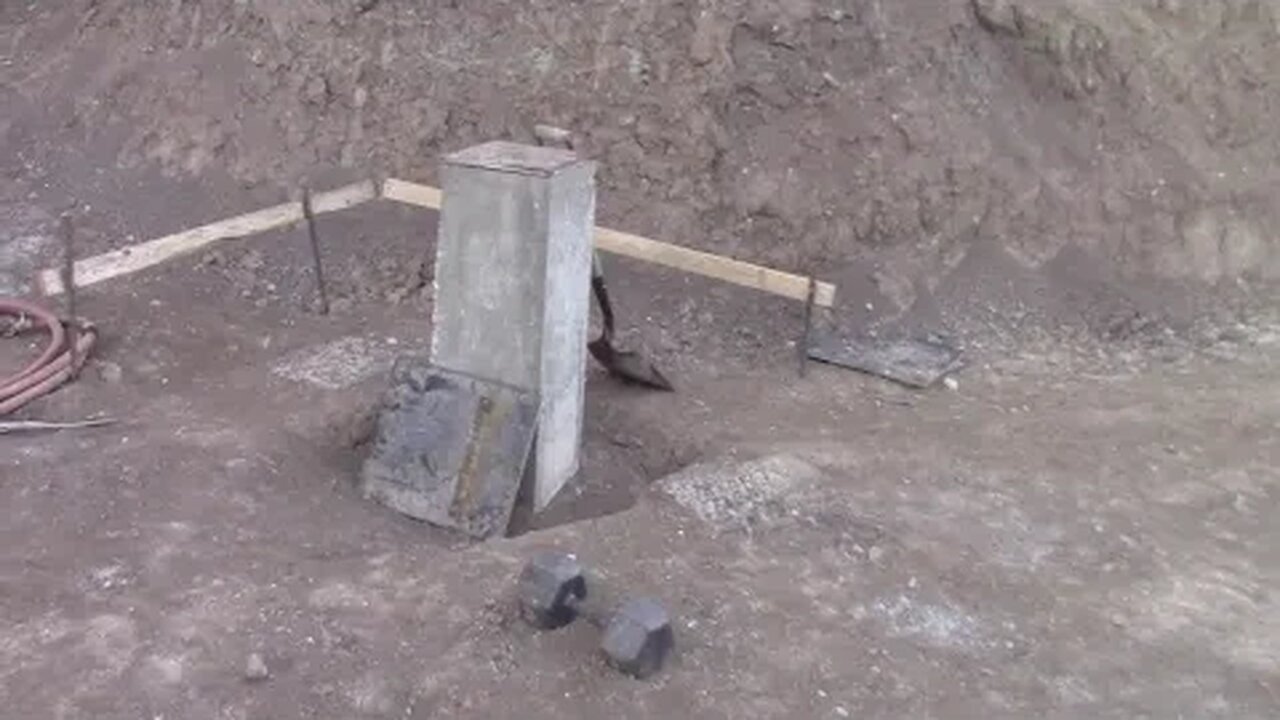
(54, 365)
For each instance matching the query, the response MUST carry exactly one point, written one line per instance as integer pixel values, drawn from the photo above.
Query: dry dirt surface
(1035, 543)
(1081, 192)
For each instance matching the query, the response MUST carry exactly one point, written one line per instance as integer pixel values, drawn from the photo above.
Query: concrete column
(512, 286)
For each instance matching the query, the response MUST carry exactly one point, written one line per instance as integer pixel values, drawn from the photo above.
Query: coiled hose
(55, 365)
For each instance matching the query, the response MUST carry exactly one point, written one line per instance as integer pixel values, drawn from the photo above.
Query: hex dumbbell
(637, 634)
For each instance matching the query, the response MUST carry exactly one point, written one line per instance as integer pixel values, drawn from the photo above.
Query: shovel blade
(629, 366)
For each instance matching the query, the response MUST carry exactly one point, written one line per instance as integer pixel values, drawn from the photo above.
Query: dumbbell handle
(598, 606)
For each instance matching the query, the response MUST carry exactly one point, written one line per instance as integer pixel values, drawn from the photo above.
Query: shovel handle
(602, 297)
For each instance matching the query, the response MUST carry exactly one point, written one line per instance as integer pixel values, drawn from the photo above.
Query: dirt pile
(802, 133)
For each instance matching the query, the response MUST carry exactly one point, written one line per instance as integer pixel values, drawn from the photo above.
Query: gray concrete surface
(513, 267)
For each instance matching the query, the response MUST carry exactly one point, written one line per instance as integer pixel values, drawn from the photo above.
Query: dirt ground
(1062, 536)
(1082, 528)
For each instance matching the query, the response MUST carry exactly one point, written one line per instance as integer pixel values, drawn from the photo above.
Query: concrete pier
(512, 286)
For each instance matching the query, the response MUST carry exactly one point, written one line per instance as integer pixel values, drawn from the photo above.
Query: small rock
(109, 372)
(704, 45)
(252, 260)
(1238, 334)
(553, 136)
(1240, 503)
(316, 90)
(255, 668)
(875, 554)
(951, 383)
(396, 295)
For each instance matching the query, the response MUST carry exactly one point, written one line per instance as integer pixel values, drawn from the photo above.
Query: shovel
(627, 365)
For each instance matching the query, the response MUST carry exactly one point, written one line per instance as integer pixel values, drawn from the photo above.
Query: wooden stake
(69, 282)
(803, 343)
(316, 261)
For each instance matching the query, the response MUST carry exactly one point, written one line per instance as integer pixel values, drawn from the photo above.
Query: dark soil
(1079, 193)
(890, 138)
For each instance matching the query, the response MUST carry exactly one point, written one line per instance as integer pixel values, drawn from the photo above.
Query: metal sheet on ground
(912, 362)
(450, 449)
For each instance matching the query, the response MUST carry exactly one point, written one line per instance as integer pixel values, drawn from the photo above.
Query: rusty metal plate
(913, 362)
(450, 449)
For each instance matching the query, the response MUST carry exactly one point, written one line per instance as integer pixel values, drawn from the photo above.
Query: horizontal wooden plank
(123, 261)
(131, 259)
(412, 193)
(718, 267)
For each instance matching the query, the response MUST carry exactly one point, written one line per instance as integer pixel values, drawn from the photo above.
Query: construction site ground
(1082, 524)
(1042, 541)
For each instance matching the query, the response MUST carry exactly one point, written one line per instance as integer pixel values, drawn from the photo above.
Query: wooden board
(768, 280)
(775, 282)
(124, 261)
(141, 256)
(412, 193)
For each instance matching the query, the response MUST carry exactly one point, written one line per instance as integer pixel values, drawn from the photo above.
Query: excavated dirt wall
(810, 135)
